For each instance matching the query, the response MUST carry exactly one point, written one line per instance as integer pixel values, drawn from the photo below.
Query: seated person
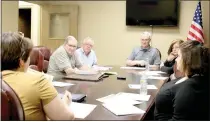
(172, 55)
(63, 60)
(144, 53)
(168, 65)
(38, 96)
(85, 54)
(186, 98)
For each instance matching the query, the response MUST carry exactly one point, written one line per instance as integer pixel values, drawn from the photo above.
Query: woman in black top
(172, 54)
(186, 98)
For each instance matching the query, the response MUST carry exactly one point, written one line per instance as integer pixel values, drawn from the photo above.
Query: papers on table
(85, 72)
(151, 73)
(61, 84)
(81, 110)
(132, 67)
(117, 99)
(110, 73)
(101, 68)
(134, 96)
(120, 109)
(158, 78)
(137, 86)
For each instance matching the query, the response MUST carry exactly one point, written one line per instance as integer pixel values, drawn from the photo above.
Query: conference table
(111, 85)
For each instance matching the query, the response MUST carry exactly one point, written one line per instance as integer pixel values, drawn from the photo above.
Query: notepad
(137, 86)
(61, 84)
(120, 109)
(81, 110)
(133, 68)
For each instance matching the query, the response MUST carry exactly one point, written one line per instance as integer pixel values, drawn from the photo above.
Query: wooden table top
(111, 85)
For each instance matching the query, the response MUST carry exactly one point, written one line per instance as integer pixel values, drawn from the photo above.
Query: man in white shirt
(85, 54)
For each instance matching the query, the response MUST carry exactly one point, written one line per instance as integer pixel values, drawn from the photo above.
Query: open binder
(92, 77)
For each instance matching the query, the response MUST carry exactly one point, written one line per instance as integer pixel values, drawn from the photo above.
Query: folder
(93, 77)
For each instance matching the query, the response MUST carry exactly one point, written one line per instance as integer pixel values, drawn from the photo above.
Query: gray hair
(88, 40)
(147, 34)
(69, 38)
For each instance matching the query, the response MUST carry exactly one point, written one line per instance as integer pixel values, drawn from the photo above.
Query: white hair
(147, 34)
(69, 38)
(88, 40)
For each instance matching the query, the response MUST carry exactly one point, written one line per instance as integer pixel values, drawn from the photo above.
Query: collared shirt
(149, 53)
(89, 59)
(60, 60)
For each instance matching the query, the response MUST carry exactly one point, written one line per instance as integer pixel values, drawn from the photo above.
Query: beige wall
(104, 21)
(9, 16)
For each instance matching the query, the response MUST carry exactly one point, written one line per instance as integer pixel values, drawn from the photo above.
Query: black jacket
(188, 100)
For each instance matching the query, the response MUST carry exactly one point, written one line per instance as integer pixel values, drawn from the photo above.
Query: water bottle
(147, 64)
(143, 85)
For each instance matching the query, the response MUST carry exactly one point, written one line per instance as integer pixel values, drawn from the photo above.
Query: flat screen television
(152, 12)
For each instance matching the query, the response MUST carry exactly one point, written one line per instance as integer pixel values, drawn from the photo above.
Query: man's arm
(131, 62)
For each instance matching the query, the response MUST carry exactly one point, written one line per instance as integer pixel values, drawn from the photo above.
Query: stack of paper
(134, 96)
(137, 86)
(61, 84)
(133, 68)
(120, 109)
(117, 99)
(85, 72)
(101, 68)
(81, 110)
(151, 73)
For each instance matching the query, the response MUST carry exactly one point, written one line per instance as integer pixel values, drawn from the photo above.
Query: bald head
(69, 38)
(70, 44)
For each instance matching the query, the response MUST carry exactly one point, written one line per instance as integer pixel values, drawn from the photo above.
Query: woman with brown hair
(186, 98)
(168, 66)
(38, 96)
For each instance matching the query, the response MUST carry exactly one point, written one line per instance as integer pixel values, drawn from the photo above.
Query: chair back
(11, 106)
(36, 60)
(46, 52)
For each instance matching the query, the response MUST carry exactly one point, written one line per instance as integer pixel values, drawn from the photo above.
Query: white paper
(61, 84)
(148, 73)
(137, 86)
(117, 99)
(101, 68)
(132, 68)
(121, 109)
(85, 72)
(81, 110)
(158, 78)
(134, 96)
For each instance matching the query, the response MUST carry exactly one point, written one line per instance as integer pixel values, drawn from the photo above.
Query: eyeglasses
(74, 46)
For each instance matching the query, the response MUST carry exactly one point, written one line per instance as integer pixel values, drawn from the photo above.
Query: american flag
(196, 28)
